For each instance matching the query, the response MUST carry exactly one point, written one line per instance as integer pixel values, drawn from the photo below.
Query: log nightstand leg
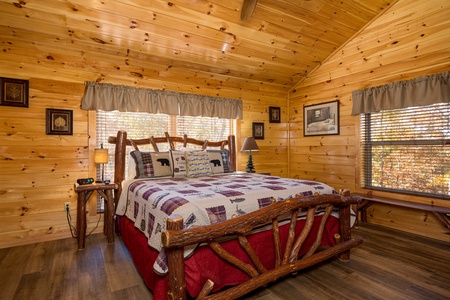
(81, 219)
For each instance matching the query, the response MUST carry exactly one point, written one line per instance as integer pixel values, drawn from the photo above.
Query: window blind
(204, 128)
(407, 150)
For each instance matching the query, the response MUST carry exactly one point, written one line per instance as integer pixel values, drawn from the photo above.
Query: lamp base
(250, 168)
(99, 181)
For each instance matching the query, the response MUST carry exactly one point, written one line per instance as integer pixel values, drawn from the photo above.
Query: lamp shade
(250, 144)
(101, 156)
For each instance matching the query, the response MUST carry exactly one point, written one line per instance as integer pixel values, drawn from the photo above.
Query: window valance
(420, 91)
(109, 97)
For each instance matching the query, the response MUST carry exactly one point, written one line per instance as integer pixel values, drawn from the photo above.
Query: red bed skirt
(205, 264)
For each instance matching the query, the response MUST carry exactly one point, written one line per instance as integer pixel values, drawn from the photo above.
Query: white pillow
(131, 171)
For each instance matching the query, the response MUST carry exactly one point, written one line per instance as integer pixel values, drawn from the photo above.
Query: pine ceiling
(279, 44)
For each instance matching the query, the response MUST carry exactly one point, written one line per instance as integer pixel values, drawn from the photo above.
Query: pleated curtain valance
(109, 97)
(421, 91)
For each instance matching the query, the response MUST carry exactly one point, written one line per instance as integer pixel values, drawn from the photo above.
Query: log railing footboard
(175, 239)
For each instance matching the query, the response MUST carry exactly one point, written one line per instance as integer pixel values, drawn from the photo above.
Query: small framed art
(59, 121)
(258, 131)
(13, 92)
(321, 119)
(274, 114)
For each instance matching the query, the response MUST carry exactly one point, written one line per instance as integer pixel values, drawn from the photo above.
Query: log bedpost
(344, 229)
(119, 163)
(232, 151)
(175, 261)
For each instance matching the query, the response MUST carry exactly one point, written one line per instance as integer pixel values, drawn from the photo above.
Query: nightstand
(84, 193)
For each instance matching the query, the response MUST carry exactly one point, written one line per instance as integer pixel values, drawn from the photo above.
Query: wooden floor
(388, 265)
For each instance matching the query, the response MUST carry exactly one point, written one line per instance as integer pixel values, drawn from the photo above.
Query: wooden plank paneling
(410, 40)
(197, 47)
(55, 45)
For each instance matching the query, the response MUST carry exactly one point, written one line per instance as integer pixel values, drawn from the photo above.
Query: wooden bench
(439, 212)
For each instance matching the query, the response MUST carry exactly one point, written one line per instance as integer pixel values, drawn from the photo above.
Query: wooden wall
(38, 171)
(411, 39)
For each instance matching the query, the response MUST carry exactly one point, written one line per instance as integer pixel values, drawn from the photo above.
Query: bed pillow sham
(178, 160)
(151, 164)
(219, 161)
(197, 163)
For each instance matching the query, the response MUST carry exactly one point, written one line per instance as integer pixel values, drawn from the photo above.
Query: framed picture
(258, 131)
(274, 114)
(321, 119)
(13, 92)
(59, 121)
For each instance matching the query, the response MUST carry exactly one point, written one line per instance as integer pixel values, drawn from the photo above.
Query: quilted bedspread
(203, 201)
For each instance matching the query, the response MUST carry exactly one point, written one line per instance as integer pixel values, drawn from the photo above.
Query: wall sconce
(250, 145)
(101, 157)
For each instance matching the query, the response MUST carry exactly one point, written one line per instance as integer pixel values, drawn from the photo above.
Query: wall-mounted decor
(13, 92)
(274, 114)
(258, 131)
(321, 119)
(59, 121)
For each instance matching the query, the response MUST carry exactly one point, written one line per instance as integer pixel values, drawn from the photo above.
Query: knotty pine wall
(38, 171)
(410, 40)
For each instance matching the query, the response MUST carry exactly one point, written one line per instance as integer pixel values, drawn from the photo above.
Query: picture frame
(13, 92)
(274, 114)
(321, 119)
(258, 130)
(59, 121)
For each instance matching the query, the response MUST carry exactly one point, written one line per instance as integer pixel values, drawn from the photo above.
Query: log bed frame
(176, 238)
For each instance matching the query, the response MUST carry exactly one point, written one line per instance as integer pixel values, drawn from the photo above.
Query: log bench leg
(443, 219)
(362, 208)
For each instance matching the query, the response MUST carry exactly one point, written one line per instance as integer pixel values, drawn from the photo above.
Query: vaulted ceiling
(280, 43)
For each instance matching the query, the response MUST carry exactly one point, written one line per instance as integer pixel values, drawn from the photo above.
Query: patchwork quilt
(203, 201)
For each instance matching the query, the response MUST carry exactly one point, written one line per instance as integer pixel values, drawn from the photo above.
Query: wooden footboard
(175, 239)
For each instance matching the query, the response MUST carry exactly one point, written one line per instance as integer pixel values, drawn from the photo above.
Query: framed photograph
(59, 121)
(258, 131)
(274, 114)
(13, 92)
(321, 119)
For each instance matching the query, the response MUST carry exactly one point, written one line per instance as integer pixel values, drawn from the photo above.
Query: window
(407, 150)
(144, 125)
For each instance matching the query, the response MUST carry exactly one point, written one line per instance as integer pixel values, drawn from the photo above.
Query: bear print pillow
(151, 164)
(219, 162)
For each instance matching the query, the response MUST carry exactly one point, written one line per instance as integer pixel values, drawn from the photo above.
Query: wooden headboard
(122, 142)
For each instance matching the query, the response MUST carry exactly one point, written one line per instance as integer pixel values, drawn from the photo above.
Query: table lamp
(250, 145)
(101, 157)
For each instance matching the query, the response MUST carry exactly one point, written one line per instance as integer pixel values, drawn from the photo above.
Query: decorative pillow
(151, 164)
(219, 161)
(197, 163)
(179, 167)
